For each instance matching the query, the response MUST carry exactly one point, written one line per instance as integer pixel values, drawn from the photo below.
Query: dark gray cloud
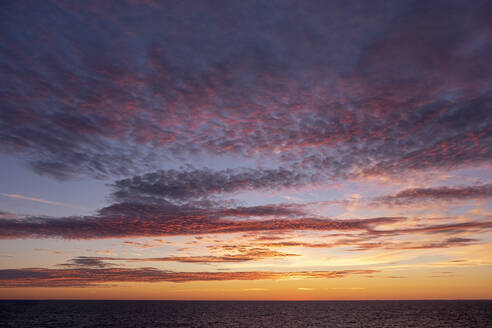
(114, 88)
(187, 184)
(413, 195)
(87, 262)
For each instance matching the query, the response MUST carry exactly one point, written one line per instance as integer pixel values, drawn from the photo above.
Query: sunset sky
(294, 150)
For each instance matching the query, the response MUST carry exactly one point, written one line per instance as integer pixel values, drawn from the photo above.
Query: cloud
(141, 245)
(8, 216)
(449, 228)
(245, 255)
(442, 274)
(88, 262)
(449, 242)
(363, 242)
(122, 220)
(301, 244)
(411, 196)
(130, 220)
(184, 185)
(333, 87)
(85, 277)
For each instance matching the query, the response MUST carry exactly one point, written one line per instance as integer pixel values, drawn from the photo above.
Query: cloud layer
(127, 220)
(113, 89)
(139, 221)
(41, 277)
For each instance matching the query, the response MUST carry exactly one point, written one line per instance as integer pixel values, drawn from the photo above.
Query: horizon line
(239, 300)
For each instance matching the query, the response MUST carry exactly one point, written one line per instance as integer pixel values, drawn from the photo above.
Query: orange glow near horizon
(470, 285)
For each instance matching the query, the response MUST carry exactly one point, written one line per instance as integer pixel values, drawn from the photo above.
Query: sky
(245, 150)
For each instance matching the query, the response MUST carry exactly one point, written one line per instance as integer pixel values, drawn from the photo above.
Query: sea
(381, 314)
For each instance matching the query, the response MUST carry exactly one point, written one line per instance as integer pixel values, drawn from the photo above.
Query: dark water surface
(245, 314)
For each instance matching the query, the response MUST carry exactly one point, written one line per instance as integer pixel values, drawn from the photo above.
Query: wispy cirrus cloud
(360, 242)
(455, 227)
(44, 201)
(414, 245)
